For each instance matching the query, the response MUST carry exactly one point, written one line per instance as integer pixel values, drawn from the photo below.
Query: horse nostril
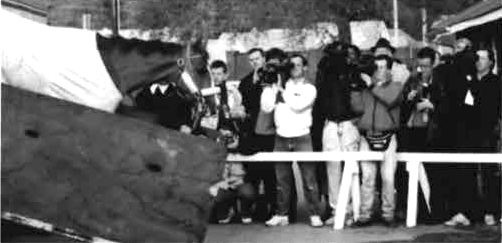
(154, 167)
(32, 133)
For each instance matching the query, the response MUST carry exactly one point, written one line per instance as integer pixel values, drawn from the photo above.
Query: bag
(379, 141)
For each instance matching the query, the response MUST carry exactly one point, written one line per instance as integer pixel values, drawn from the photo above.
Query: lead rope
(35, 223)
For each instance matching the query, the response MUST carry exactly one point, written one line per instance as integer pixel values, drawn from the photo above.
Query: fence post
(356, 193)
(343, 195)
(412, 167)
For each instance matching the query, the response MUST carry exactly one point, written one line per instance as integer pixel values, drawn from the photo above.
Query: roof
(473, 12)
(366, 33)
(39, 7)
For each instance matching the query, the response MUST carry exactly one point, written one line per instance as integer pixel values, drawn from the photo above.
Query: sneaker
(391, 223)
(315, 221)
(247, 220)
(330, 221)
(458, 219)
(490, 220)
(362, 223)
(228, 218)
(349, 221)
(278, 220)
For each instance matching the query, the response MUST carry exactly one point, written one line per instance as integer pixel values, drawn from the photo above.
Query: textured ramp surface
(103, 174)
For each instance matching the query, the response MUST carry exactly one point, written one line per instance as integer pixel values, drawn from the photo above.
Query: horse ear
(199, 39)
(201, 43)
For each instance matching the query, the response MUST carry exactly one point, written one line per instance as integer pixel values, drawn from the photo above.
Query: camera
(271, 71)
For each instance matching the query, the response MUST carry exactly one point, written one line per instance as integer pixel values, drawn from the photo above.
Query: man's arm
(244, 91)
(268, 98)
(388, 94)
(491, 110)
(400, 73)
(409, 101)
(301, 99)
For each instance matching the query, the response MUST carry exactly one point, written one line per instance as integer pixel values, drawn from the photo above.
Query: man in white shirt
(292, 106)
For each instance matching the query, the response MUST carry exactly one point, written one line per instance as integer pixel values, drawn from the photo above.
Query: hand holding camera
(425, 104)
(412, 94)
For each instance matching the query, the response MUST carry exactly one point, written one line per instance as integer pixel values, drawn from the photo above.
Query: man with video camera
(258, 135)
(292, 104)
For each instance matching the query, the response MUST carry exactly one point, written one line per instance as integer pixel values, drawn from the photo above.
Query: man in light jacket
(292, 106)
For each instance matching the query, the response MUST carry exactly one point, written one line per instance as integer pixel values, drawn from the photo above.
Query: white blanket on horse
(60, 62)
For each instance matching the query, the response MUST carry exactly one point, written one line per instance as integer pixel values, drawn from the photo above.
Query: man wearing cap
(399, 71)
(378, 125)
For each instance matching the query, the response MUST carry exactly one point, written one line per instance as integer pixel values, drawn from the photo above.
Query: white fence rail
(414, 167)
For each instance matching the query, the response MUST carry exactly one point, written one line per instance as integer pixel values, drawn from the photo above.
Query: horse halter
(200, 105)
(185, 63)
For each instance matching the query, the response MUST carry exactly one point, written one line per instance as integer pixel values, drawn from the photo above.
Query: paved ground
(300, 233)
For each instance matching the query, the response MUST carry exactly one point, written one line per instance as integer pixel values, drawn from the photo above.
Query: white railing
(350, 180)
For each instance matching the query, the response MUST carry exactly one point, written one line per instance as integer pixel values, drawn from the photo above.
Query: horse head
(135, 64)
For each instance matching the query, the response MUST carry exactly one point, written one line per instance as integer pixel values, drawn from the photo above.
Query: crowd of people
(357, 102)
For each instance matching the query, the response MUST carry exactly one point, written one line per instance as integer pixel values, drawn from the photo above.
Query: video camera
(271, 71)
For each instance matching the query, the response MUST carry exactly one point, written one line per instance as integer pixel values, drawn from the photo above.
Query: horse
(87, 68)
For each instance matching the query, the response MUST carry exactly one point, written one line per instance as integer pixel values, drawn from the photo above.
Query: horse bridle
(200, 106)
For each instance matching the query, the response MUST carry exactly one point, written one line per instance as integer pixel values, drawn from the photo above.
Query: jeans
(226, 198)
(285, 177)
(369, 174)
(342, 136)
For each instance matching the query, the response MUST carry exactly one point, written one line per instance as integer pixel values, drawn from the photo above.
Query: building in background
(365, 34)
(481, 23)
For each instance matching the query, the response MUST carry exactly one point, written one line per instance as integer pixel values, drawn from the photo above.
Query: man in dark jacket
(258, 134)
(477, 118)
(421, 113)
(167, 102)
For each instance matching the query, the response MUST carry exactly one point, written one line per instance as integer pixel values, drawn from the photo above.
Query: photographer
(378, 125)
(258, 135)
(419, 123)
(338, 75)
(292, 106)
(222, 124)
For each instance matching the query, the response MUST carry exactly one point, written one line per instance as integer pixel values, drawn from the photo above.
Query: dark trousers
(489, 181)
(226, 199)
(257, 172)
(490, 190)
(414, 140)
(464, 183)
(285, 177)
